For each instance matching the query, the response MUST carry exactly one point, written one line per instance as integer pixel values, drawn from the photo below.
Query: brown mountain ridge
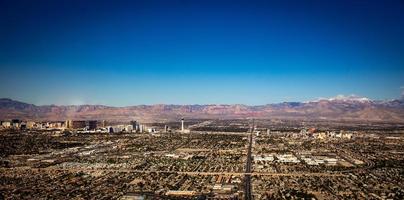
(340, 108)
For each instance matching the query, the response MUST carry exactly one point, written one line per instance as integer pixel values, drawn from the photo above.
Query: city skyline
(189, 52)
(202, 99)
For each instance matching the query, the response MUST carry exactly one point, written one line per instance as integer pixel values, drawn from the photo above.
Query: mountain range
(337, 108)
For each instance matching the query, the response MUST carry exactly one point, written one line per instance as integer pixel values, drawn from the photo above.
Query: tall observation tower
(182, 125)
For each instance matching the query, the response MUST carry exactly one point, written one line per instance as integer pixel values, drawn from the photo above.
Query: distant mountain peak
(10, 103)
(5, 99)
(346, 98)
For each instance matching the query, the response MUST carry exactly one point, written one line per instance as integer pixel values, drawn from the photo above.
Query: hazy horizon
(338, 97)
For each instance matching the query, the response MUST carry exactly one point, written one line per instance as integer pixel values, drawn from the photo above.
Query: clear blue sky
(199, 52)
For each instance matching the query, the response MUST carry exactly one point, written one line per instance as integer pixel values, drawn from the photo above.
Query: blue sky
(199, 52)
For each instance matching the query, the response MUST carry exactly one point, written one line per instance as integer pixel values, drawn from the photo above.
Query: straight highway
(247, 177)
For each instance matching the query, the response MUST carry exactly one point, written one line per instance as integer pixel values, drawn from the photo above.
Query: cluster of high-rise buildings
(74, 125)
(86, 126)
(313, 133)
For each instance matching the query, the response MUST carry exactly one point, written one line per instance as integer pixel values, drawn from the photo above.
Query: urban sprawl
(201, 159)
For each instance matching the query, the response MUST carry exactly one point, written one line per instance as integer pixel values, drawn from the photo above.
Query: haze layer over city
(188, 99)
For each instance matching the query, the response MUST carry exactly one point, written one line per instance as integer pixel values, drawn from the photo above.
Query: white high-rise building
(6, 124)
(129, 128)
